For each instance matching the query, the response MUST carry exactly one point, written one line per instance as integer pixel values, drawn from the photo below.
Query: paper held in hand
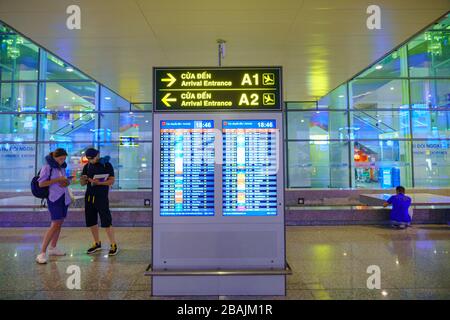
(101, 177)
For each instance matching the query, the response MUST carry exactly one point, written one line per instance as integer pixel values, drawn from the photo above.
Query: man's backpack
(36, 190)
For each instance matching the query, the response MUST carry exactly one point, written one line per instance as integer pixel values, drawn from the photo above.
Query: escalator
(83, 120)
(373, 122)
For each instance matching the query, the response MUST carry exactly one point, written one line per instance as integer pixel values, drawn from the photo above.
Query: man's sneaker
(113, 250)
(95, 247)
(41, 258)
(55, 252)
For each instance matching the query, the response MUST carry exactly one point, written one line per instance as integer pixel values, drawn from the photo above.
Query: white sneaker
(41, 258)
(55, 252)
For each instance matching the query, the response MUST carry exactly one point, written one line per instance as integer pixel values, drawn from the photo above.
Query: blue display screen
(187, 168)
(249, 170)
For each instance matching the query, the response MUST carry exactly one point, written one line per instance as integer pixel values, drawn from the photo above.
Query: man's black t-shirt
(91, 170)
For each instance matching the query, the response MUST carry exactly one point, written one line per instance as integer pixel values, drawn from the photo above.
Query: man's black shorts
(94, 207)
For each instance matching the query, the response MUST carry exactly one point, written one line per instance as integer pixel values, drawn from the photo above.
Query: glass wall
(387, 126)
(46, 103)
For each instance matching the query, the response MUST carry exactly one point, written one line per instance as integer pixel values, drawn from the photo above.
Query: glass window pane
(18, 97)
(431, 124)
(132, 164)
(141, 107)
(56, 69)
(70, 96)
(299, 105)
(16, 166)
(317, 125)
(379, 94)
(18, 127)
(336, 99)
(429, 54)
(68, 127)
(431, 163)
(127, 126)
(393, 66)
(18, 58)
(430, 93)
(110, 101)
(318, 164)
(379, 124)
(444, 23)
(381, 164)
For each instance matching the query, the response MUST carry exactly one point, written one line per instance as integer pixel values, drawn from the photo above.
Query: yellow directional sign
(171, 79)
(166, 99)
(217, 88)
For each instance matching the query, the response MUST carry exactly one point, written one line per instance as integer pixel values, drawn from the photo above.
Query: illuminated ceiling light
(107, 98)
(46, 98)
(392, 88)
(131, 112)
(146, 121)
(73, 98)
(384, 293)
(341, 96)
(19, 99)
(69, 69)
(378, 67)
(57, 91)
(302, 120)
(317, 111)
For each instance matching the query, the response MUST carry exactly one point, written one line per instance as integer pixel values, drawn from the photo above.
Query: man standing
(400, 217)
(98, 175)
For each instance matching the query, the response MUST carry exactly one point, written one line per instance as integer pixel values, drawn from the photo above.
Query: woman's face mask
(60, 159)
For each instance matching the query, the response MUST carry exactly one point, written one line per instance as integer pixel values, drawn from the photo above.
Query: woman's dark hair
(58, 153)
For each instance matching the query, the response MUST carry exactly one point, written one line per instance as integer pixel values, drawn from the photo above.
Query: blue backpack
(36, 190)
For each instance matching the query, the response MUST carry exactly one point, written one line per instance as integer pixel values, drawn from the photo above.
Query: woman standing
(53, 175)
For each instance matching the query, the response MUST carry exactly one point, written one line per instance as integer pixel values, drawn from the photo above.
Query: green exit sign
(221, 88)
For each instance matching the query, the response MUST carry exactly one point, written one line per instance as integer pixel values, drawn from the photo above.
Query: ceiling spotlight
(69, 69)
(378, 67)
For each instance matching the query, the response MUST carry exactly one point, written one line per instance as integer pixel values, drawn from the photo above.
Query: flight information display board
(187, 167)
(249, 170)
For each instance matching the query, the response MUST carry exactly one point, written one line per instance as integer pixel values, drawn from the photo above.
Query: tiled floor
(328, 263)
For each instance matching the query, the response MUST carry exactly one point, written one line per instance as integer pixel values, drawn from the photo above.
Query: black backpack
(36, 190)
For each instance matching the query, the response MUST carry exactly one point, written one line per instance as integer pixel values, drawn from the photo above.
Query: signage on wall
(128, 141)
(220, 88)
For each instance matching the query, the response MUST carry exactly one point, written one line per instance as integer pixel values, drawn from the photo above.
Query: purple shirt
(400, 205)
(55, 190)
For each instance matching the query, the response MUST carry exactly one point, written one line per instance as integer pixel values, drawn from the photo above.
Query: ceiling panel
(319, 43)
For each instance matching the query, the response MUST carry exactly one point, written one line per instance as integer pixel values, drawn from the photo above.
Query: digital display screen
(250, 169)
(187, 168)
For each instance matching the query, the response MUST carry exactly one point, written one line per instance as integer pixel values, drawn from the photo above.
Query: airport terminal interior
(345, 112)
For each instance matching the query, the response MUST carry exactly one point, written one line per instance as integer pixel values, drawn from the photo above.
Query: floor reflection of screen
(187, 168)
(249, 168)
